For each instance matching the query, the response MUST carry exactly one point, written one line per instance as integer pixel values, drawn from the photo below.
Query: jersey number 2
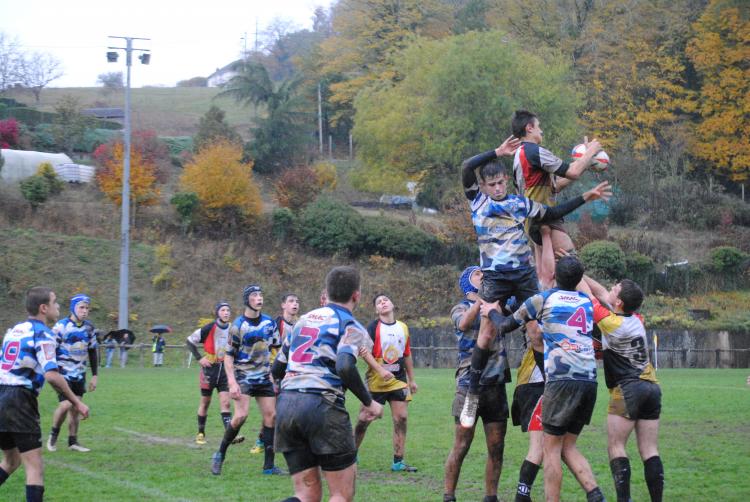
(10, 355)
(578, 320)
(303, 353)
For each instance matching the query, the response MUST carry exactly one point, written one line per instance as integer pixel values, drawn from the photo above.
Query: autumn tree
(720, 53)
(366, 36)
(143, 189)
(297, 187)
(223, 184)
(632, 70)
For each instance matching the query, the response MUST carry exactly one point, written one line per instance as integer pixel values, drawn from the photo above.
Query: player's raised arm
(577, 168)
(468, 174)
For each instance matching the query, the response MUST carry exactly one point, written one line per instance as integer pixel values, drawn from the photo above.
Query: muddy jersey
(28, 352)
(566, 318)
(310, 351)
(215, 339)
(250, 346)
(73, 344)
(391, 345)
(497, 370)
(625, 346)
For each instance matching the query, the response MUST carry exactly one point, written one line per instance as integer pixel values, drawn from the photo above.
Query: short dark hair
(521, 118)
(36, 297)
(341, 283)
(375, 298)
(568, 272)
(491, 169)
(286, 296)
(631, 296)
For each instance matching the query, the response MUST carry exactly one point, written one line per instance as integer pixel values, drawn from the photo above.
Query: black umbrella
(118, 334)
(161, 328)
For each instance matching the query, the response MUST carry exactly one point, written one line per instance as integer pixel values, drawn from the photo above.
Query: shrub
(296, 188)
(42, 138)
(8, 133)
(603, 259)
(589, 231)
(639, 268)
(283, 222)
(185, 203)
(35, 190)
(48, 174)
(397, 239)
(325, 175)
(331, 226)
(625, 208)
(727, 259)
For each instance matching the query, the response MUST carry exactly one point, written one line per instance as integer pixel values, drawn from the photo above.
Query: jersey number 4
(303, 353)
(578, 320)
(10, 355)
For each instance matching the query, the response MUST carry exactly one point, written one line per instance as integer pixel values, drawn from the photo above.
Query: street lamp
(122, 320)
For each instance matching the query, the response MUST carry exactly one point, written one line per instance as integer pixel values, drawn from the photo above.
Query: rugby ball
(599, 163)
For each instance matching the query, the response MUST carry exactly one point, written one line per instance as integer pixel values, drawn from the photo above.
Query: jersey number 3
(303, 353)
(10, 355)
(578, 320)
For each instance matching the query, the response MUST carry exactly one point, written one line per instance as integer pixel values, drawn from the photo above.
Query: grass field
(143, 422)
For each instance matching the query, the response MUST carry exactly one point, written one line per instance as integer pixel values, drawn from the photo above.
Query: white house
(222, 75)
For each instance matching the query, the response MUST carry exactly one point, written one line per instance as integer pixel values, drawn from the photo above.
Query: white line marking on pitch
(156, 439)
(132, 485)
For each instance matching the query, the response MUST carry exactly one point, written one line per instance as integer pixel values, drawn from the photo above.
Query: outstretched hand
(485, 308)
(601, 191)
(594, 146)
(508, 147)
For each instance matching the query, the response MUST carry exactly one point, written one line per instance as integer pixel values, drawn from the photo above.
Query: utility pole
(320, 122)
(123, 314)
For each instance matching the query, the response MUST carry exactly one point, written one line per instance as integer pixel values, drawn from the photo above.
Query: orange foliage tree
(297, 187)
(720, 52)
(143, 190)
(223, 183)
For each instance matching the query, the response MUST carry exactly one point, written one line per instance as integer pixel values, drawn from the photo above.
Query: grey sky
(188, 39)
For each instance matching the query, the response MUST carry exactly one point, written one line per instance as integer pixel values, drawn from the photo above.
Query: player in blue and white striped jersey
(566, 317)
(27, 359)
(248, 367)
(316, 364)
(76, 347)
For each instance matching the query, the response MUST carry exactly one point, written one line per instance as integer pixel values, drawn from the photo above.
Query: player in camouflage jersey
(27, 359)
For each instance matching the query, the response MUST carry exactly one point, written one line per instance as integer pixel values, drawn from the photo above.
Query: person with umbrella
(158, 342)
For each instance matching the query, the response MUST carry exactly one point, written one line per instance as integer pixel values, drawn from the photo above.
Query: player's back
(625, 347)
(567, 325)
(28, 351)
(313, 346)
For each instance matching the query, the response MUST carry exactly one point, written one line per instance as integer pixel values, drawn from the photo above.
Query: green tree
(720, 53)
(70, 124)
(35, 190)
(455, 98)
(280, 134)
(213, 127)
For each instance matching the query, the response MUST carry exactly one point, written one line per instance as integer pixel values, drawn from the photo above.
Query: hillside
(170, 111)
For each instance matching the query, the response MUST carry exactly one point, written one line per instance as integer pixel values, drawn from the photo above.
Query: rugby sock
(620, 467)
(72, 440)
(229, 436)
(448, 497)
(490, 498)
(526, 479)
(267, 434)
(397, 459)
(654, 472)
(55, 432)
(595, 495)
(3, 476)
(34, 493)
(226, 417)
(479, 360)
(202, 424)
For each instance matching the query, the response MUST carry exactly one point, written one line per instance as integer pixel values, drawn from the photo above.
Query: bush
(603, 259)
(185, 203)
(589, 231)
(727, 259)
(49, 175)
(639, 268)
(625, 208)
(8, 133)
(331, 226)
(178, 144)
(296, 188)
(93, 138)
(397, 239)
(282, 221)
(35, 190)
(43, 138)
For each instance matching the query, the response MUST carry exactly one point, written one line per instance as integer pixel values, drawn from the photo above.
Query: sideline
(131, 485)
(150, 438)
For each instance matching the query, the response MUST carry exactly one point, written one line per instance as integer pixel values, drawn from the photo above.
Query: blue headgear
(249, 289)
(220, 304)
(76, 300)
(464, 283)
